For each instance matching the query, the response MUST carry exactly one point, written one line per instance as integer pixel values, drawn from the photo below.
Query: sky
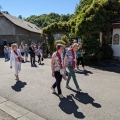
(38, 7)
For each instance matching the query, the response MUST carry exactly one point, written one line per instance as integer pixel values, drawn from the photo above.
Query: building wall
(6, 27)
(116, 47)
(26, 37)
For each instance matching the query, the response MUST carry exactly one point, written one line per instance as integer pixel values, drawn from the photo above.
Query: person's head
(75, 41)
(26, 45)
(7, 45)
(75, 46)
(38, 47)
(80, 45)
(14, 46)
(32, 44)
(60, 48)
(65, 45)
(21, 43)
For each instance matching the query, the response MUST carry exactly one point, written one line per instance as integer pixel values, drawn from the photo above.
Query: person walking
(22, 48)
(70, 63)
(56, 65)
(8, 51)
(80, 53)
(15, 60)
(39, 54)
(5, 53)
(32, 54)
(26, 52)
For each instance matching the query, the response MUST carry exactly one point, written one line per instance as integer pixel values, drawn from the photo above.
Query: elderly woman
(56, 65)
(70, 63)
(15, 60)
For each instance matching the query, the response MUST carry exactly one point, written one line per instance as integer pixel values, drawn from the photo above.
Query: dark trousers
(58, 78)
(39, 59)
(22, 53)
(78, 61)
(32, 60)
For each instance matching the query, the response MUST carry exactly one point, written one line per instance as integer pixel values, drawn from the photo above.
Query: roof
(22, 23)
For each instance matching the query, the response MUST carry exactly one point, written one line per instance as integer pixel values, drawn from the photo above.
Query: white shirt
(22, 48)
(13, 57)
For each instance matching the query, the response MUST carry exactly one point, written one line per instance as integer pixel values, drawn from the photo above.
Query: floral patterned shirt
(57, 62)
(70, 57)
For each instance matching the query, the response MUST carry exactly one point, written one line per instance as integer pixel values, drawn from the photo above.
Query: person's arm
(52, 65)
(11, 60)
(65, 60)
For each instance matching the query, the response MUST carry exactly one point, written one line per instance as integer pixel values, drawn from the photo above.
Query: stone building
(13, 29)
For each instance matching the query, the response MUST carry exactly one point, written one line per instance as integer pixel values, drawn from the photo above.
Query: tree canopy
(47, 19)
(97, 16)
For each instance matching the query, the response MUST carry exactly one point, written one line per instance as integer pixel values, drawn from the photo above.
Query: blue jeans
(6, 55)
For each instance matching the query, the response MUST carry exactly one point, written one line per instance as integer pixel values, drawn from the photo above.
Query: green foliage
(65, 39)
(81, 4)
(51, 46)
(97, 17)
(59, 41)
(90, 45)
(20, 16)
(47, 19)
(104, 53)
(57, 28)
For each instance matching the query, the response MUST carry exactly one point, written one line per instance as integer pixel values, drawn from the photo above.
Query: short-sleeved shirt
(69, 61)
(79, 54)
(57, 66)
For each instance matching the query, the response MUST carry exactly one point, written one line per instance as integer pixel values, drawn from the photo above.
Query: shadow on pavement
(85, 72)
(18, 86)
(42, 64)
(85, 98)
(108, 65)
(69, 106)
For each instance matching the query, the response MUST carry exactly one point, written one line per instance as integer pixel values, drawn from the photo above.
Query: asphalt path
(99, 99)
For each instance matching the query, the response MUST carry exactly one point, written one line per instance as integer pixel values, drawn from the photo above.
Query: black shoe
(32, 66)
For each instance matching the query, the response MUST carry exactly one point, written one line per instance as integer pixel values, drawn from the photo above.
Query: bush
(104, 53)
(50, 41)
(59, 41)
(65, 39)
(90, 45)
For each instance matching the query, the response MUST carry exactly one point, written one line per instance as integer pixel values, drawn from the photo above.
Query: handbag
(62, 71)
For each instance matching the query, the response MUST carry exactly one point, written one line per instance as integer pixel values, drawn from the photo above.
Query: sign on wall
(116, 39)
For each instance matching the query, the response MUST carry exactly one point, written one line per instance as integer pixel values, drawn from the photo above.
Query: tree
(20, 16)
(97, 17)
(81, 4)
(47, 19)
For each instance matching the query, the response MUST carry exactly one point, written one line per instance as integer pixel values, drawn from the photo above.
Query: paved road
(99, 99)
(5, 116)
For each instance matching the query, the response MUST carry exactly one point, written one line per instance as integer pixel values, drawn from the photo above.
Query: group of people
(70, 59)
(62, 58)
(20, 54)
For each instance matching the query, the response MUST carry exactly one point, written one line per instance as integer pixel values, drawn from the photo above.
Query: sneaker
(84, 69)
(61, 96)
(78, 89)
(67, 86)
(53, 89)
